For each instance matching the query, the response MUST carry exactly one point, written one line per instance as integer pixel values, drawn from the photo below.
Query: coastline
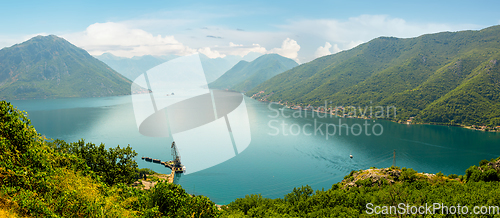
(409, 122)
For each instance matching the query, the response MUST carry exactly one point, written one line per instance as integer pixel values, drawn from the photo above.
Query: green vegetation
(450, 78)
(114, 166)
(245, 75)
(44, 178)
(389, 187)
(51, 67)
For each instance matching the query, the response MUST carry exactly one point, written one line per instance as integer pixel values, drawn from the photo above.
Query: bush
(173, 201)
(114, 165)
(483, 162)
(408, 175)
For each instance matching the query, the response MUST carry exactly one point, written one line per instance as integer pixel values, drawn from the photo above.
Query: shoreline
(473, 127)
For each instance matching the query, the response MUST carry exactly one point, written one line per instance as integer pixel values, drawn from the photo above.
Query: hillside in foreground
(51, 178)
(372, 192)
(444, 78)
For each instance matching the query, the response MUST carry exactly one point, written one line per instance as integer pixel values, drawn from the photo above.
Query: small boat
(350, 156)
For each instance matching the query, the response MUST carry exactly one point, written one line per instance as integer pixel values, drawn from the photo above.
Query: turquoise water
(274, 163)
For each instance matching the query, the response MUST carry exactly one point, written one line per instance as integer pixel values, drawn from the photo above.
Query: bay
(285, 152)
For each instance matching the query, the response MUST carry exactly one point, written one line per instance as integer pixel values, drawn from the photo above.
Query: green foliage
(173, 201)
(476, 174)
(487, 171)
(298, 195)
(483, 162)
(364, 182)
(408, 175)
(146, 171)
(446, 78)
(168, 197)
(43, 178)
(439, 174)
(342, 202)
(115, 165)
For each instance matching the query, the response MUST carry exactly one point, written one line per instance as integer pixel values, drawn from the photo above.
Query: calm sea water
(284, 152)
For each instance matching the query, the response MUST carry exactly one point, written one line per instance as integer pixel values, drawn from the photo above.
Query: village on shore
(350, 112)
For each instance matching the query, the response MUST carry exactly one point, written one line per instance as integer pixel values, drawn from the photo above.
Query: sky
(298, 30)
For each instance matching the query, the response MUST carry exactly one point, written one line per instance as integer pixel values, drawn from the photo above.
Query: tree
(173, 201)
(114, 165)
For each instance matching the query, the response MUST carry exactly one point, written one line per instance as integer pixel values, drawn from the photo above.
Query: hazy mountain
(51, 67)
(246, 75)
(214, 68)
(135, 66)
(449, 77)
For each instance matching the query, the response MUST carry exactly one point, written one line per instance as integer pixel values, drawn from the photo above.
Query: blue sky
(296, 29)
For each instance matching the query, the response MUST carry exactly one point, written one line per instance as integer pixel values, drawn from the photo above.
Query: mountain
(51, 67)
(135, 66)
(445, 78)
(246, 75)
(216, 67)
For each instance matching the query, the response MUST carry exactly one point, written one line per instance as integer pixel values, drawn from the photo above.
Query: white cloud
(242, 50)
(325, 50)
(239, 49)
(231, 44)
(135, 37)
(120, 40)
(123, 40)
(356, 30)
(353, 44)
(289, 49)
(211, 54)
(336, 49)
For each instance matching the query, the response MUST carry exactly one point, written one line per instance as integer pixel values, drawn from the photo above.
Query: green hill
(51, 67)
(246, 75)
(446, 78)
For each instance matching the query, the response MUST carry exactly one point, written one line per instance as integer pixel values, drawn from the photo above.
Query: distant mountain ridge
(447, 78)
(51, 67)
(245, 75)
(137, 65)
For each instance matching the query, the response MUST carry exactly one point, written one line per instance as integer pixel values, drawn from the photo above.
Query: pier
(175, 164)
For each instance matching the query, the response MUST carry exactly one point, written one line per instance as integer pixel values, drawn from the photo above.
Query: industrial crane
(176, 157)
